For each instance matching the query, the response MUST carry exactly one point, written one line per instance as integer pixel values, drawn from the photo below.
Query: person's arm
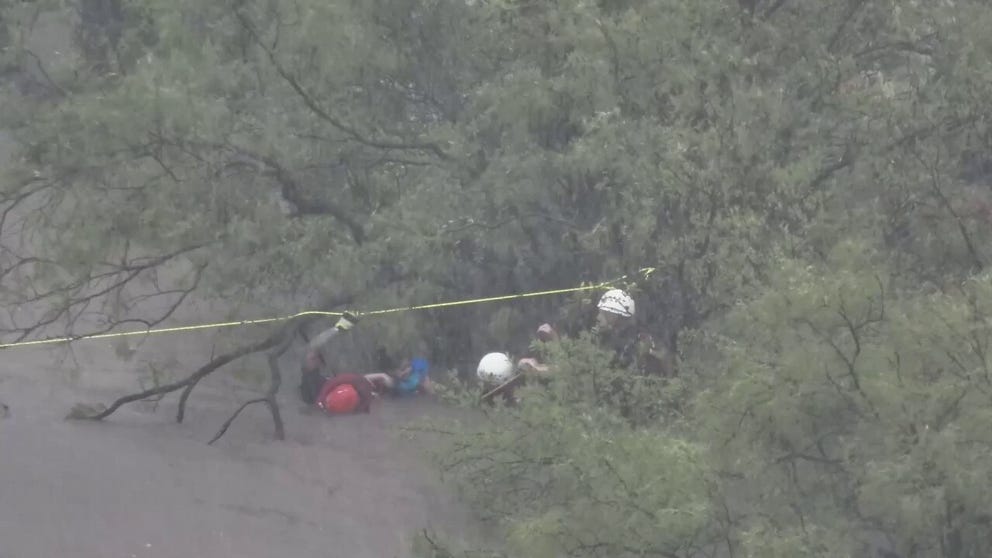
(313, 359)
(546, 333)
(344, 323)
(656, 360)
(532, 366)
(366, 391)
(381, 380)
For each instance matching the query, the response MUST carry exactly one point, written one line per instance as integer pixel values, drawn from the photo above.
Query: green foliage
(564, 473)
(861, 405)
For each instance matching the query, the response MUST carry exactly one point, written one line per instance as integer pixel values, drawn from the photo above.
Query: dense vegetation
(809, 179)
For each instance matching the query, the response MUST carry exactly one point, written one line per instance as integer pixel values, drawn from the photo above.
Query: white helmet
(617, 302)
(495, 367)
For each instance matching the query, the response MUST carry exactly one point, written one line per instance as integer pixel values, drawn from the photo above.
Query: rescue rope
(216, 325)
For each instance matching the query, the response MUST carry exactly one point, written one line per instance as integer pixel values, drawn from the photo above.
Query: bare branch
(193, 378)
(229, 421)
(315, 107)
(84, 291)
(290, 189)
(773, 8)
(270, 396)
(853, 7)
(938, 191)
(44, 73)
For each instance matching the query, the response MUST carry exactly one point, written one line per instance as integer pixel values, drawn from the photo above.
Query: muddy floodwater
(139, 485)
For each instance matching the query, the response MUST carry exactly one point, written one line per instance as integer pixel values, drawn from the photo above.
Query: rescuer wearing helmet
(614, 329)
(498, 376)
(495, 368)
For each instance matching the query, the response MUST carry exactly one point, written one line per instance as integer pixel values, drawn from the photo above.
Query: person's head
(387, 361)
(546, 333)
(616, 308)
(341, 400)
(402, 370)
(495, 368)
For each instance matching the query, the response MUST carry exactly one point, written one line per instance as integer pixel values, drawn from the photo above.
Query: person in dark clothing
(614, 330)
(341, 393)
(633, 352)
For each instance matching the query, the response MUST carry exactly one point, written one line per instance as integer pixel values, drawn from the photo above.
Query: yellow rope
(645, 272)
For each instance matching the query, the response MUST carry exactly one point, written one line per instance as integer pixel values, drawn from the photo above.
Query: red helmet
(341, 400)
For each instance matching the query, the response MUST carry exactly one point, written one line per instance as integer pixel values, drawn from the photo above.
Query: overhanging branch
(290, 190)
(323, 114)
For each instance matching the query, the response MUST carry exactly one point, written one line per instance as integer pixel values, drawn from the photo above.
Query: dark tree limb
(62, 93)
(853, 7)
(184, 396)
(437, 549)
(319, 111)
(946, 203)
(270, 396)
(773, 8)
(89, 289)
(229, 421)
(275, 383)
(849, 157)
(266, 165)
(193, 378)
(292, 193)
(279, 342)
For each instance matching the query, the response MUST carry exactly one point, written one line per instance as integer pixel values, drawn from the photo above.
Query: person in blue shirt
(411, 376)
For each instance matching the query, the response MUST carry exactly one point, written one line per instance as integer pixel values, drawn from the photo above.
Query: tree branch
(193, 378)
(315, 107)
(78, 299)
(290, 189)
(853, 7)
(229, 421)
(44, 73)
(773, 8)
(279, 341)
(938, 191)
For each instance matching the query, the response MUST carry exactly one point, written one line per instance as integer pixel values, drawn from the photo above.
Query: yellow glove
(346, 321)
